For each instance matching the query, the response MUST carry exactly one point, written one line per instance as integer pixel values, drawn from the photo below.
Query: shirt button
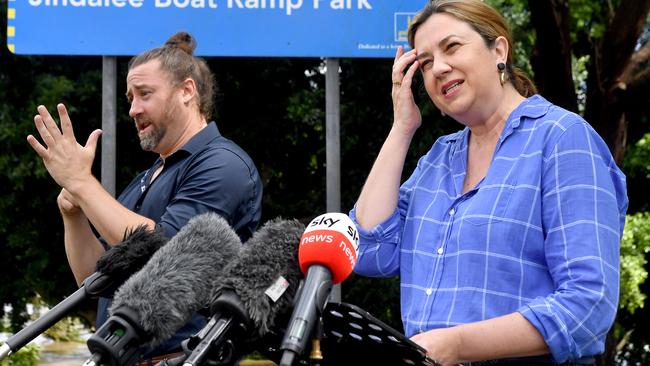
(440, 251)
(452, 212)
(429, 291)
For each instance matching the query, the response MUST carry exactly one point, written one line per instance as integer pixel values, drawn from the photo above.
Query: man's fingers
(91, 143)
(40, 149)
(43, 131)
(48, 122)
(66, 123)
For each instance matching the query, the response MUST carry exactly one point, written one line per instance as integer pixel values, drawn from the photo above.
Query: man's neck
(190, 129)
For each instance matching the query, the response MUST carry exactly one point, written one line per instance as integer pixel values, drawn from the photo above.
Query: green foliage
(378, 296)
(588, 19)
(32, 259)
(518, 16)
(26, 356)
(634, 247)
(579, 70)
(637, 158)
(65, 330)
(637, 169)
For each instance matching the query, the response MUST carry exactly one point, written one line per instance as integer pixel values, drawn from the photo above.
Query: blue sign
(293, 28)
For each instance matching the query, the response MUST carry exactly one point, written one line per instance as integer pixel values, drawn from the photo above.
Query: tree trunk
(610, 61)
(551, 57)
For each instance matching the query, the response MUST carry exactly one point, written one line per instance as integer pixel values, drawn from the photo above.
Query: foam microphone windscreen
(180, 277)
(266, 274)
(132, 253)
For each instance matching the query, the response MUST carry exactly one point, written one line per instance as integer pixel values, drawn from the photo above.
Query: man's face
(153, 104)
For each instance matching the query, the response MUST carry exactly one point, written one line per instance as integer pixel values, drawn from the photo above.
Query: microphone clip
(117, 342)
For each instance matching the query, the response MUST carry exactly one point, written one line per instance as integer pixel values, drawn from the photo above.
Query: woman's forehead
(440, 27)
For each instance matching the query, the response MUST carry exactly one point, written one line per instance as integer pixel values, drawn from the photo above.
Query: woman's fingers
(401, 64)
(407, 81)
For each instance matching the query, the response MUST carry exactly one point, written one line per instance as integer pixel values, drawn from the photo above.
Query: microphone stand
(316, 355)
(93, 286)
(216, 341)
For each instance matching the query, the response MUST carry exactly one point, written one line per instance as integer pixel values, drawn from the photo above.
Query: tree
(618, 79)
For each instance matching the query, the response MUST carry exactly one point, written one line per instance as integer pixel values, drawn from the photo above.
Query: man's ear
(188, 88)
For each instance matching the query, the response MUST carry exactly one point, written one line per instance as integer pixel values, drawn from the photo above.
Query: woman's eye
(452, 46)
(426, 64)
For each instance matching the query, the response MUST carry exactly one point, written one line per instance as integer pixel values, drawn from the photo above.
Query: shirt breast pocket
(490, 204)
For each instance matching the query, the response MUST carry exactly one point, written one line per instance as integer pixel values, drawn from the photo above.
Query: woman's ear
(501, 48)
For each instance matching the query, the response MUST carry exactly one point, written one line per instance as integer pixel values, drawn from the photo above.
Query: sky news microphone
(112, 269)
(177, 281)
(327, 254)
(255, 290)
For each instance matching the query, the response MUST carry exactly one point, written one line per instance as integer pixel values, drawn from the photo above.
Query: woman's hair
(487, 22)
(177, 59)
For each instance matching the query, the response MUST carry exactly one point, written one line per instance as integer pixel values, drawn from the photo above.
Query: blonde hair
(487, 22)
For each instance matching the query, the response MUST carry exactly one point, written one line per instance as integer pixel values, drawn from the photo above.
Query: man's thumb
(91, 143)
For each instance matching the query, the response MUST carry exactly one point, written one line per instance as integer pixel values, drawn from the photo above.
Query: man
(171, 94)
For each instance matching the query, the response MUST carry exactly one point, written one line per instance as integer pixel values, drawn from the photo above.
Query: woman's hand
(406, 114)
(442, 345)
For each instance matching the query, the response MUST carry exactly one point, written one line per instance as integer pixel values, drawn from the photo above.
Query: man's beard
(150, 140)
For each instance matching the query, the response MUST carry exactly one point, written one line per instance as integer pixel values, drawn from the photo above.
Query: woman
(506, 236)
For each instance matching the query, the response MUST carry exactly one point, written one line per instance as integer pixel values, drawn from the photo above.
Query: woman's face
(459, 70)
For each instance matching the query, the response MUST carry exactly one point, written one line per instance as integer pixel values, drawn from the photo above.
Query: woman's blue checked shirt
(539, 234)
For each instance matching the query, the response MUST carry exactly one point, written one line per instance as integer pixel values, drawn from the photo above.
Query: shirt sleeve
(379, 247)
(218, 181)
(584, 202)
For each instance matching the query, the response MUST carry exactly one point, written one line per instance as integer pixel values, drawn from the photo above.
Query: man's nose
(135, 109)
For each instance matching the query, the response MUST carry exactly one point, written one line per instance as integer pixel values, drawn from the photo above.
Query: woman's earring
(502, 72)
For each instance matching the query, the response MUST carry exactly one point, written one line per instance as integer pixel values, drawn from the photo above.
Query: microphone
(159, 299)
(327, 254)
(112, 269)
(255, 290)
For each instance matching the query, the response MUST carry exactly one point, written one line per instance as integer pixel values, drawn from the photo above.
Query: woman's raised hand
(406, 113)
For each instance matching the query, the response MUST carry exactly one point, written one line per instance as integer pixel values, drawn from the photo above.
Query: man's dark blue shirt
(209, 173)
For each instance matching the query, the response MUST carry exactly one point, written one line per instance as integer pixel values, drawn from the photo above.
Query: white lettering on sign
(88, 3)
(195, 4)
(289, 7)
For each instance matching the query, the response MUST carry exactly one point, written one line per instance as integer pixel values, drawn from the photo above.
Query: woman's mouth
(451, 87)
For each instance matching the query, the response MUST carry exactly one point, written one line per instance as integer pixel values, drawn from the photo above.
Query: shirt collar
(196, 143)
(532, 107)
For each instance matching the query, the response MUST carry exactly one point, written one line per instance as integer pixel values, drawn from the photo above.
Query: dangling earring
(502, 72)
